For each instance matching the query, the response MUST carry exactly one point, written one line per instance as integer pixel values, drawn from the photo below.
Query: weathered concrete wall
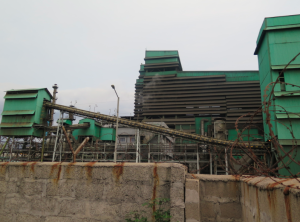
(229, 198)
(87, 191)
(107, 192)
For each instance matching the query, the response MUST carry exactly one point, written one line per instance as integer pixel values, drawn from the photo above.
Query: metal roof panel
(20, 96)
(15, 125)
(17, 112)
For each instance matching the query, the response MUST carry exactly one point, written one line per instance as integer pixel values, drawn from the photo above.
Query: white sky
(85, 46)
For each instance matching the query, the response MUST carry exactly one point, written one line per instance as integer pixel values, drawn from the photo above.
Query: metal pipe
(210, 163)
(79, 148)
(43, 146)
(55, 87)
(198, 167)
(67, 138)
(61, 136)
(226, 161)
(137, 146)
(116, 142)
(56, 136)
(202, 126)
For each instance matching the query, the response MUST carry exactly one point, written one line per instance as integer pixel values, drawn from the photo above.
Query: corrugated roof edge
(221, 71)
(264, 28)
(30, 89)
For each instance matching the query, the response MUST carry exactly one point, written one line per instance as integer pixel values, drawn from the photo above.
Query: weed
(160, 214)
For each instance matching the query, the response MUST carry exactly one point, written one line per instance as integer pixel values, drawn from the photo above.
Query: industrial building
(181, 99)
(221, 122)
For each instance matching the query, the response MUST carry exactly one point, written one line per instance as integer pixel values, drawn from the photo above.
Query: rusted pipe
(43, 146)
(67, 137)
(79, 148)
(202, 126)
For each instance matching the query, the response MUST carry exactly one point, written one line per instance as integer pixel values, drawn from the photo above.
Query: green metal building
(278, 43)
(167, 93)
(24, 112)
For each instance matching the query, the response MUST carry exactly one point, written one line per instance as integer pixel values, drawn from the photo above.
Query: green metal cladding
(95, 131)
(277, 44)
(23, 110)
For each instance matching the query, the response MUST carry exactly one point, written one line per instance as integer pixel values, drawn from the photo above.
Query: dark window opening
(282, 82)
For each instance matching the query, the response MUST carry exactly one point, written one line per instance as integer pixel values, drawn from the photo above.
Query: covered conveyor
(145, 126)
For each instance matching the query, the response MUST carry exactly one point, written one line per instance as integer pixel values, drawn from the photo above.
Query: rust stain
(89, 170)
(53, 168)
(3, 167)
(58, 175)
(257, 205)
(68, 169)
(155, 184)
(55, 180)
(194, 176)
(286, 193)
(32, 166)
(236, 177)
(24, 166)
(118, 170)
(269, 199)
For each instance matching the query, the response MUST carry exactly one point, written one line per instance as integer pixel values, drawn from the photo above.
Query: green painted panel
(283, 36)
(247, 135)
(289, 104)
(283, 53)
(283, 20)
(292, 20)
(65, 121)
(231, 76)
(160, 73)
(198, 124)
(93, 131)
(286, 116)
(108, 134)
(139, 80)
(293, 77)
(152, 61)
(22, 110)
(286, 94)
(293, 167)
(20, 96)
(160, 53)
(284, 126)
(17, 112)
(142, 67)
(21, 132)
(16, 125)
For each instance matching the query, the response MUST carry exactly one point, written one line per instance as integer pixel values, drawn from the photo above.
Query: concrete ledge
(247, 198)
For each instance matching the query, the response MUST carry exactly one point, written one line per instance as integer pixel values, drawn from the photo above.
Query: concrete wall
(229, 198)
(87, 191)
(107, 192)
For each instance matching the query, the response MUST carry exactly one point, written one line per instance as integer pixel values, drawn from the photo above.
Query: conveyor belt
(150, 127)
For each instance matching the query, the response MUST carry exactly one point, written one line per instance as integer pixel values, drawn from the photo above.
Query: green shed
(277, 44)
(95, 131)
(24, 112)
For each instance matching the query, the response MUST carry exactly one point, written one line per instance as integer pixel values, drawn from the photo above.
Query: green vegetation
(160, 214)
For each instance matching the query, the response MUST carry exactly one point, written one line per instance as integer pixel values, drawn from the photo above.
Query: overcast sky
(85, 46)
